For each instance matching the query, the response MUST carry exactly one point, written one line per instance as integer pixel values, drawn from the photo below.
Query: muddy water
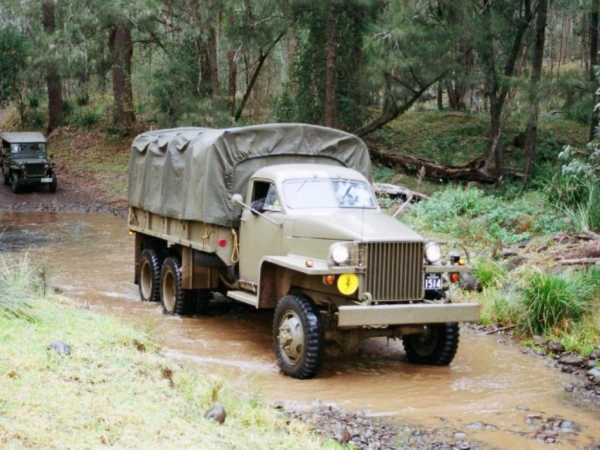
(488, 391)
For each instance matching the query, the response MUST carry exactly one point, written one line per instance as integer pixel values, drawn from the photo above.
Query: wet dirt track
(492, 391)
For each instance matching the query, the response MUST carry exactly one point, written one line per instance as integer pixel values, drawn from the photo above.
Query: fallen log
(580, 262)
(396, 191)
(472, 171)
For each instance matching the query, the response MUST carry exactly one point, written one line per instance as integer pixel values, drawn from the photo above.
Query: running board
(244, 297)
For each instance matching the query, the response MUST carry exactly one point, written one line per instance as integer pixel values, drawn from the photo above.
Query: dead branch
(580, 262)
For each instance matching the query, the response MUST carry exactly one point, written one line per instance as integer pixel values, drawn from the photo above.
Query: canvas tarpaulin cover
(191, 173)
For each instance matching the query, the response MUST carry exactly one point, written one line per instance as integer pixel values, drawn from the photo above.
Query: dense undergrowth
(528, 291)
(114, 390)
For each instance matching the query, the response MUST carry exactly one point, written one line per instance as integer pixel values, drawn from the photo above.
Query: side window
(264, 197)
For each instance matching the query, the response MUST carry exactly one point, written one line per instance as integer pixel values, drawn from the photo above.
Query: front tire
(297, 337)
(149, 282)
(437, 346)
(173, 298)
(53, 184)
(15, 183)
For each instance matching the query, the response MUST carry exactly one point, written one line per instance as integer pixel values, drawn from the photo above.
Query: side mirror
(237, 199)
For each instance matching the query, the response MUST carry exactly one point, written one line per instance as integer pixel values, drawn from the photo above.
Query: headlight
(339, 253)
(433, 253)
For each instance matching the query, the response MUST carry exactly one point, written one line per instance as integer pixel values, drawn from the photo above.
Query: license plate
(433, 282)
(46, 180)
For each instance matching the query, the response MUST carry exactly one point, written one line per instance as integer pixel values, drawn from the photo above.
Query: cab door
(260, 236)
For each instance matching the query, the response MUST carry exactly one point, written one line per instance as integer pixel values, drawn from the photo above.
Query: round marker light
(222, 243)
(329, 280)
(339, 253)
(433, 252)
(347, 283)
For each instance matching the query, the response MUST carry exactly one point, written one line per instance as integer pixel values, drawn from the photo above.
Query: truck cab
(24, 161)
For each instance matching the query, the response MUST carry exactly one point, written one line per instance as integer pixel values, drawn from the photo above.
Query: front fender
(308, 266)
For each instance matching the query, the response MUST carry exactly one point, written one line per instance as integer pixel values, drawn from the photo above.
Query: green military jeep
(24, 161)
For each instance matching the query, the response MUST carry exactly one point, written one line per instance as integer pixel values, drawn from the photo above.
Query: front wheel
(53, 184)
(437, 346)
(297, 337)
(15, 183)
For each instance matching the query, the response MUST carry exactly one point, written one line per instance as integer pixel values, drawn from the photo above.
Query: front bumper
(411, 314)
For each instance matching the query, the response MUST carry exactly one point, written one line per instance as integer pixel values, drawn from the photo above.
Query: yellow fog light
(347, 283)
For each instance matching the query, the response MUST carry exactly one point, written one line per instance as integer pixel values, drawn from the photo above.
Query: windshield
(309, 193)
(28, 150)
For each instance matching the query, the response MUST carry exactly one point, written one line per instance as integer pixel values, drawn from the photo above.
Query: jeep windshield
(321, 193)
(28, 150)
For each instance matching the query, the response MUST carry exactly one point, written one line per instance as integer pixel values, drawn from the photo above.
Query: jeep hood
(355, 225)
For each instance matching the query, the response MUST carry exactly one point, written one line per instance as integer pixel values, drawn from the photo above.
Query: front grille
(35, 170)
(394, 270)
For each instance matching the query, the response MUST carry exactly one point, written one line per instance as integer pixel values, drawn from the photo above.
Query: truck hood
(357, 225)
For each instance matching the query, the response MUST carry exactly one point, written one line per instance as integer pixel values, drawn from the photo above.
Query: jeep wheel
(149, 281)
(174, 299)
(297, 339)
(437, 346)
(53, 184)
(15, 183)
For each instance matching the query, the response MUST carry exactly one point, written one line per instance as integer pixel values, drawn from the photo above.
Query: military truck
(283, 217)
(24, 161)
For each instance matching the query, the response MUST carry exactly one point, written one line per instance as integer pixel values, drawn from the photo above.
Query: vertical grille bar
(394, 270)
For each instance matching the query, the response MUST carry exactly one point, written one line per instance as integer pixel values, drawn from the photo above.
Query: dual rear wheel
(160, 280)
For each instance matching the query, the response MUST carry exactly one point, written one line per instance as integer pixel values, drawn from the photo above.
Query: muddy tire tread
(155, 268)
(310, 317)
(182, 298)
(445, 350)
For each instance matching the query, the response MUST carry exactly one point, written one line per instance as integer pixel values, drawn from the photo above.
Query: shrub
(552, 301)
(489, 273)
(471, 214)
(85, 117)
(498, 307)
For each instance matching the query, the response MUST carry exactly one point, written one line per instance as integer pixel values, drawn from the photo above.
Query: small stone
(555, 347)
(460, 436)
(594, 375)
(464, 446)
(60, 347)
(592, 363)
(216, 413)
(566, 426)
(595, 354)
(475, 426)
(571, 359)
(344, 436)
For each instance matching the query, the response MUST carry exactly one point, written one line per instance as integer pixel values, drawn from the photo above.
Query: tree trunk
(121, 49)
(53, 80)
(213, 64)
(232, 85)
(594, 19)
(440, 97)
(330, 107)
(536, 76)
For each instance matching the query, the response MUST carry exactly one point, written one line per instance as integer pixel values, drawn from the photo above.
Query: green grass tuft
(553, 301)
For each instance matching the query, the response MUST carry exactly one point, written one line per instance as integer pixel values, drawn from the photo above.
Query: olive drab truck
(284, 217)
(24, 161)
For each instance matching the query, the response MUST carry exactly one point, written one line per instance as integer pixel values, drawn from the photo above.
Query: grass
(115, 389)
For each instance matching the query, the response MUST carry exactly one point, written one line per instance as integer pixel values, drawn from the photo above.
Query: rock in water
(216, 413)
(60, 347)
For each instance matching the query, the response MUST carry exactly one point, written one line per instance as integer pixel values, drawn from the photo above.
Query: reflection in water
(489, 389)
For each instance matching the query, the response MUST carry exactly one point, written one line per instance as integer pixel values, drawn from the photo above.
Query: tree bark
(121, 49)
(213, 63)
(536, 76)
(53, 80)
(496, 91)
(330, 106)
(232, 85)
(594, 21)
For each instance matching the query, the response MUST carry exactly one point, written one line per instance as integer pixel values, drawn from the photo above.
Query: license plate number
(46, 180)
(433, 282)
